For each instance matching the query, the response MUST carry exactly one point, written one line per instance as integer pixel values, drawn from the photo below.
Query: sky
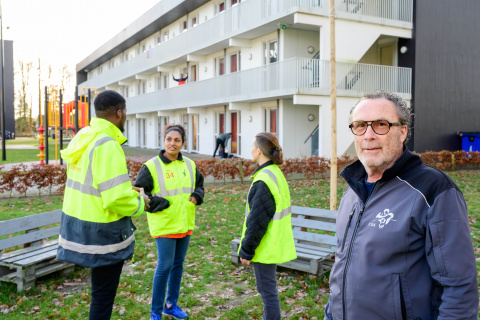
(63, 32)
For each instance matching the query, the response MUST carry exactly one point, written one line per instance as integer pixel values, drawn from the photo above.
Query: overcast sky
(64, 31)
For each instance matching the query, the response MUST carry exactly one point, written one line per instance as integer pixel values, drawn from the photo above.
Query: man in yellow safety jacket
(96, 229)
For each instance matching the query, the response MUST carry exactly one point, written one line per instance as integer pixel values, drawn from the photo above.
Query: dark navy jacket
(405, 251)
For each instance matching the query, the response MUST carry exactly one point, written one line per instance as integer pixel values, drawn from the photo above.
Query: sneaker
(175, 311)
(155, 316)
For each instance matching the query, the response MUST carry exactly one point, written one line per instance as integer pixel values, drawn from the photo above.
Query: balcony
(248, 20)
(275, 81)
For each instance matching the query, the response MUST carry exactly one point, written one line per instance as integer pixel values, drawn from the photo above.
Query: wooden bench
(37, 257)
(315, 251)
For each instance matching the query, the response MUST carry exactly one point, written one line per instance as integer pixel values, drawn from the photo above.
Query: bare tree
(23, 108)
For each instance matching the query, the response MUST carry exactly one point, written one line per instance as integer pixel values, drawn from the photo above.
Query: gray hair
(404, 112)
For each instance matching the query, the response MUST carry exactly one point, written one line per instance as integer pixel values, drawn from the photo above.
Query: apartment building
(253, 65)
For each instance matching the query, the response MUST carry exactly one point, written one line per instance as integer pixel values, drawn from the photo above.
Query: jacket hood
(84, 137)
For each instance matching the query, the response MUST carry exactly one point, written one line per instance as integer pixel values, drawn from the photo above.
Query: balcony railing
(281, 79)
(392, 12)
(243, 17)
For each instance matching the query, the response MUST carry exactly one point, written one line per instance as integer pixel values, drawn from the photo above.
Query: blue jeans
(168, 274)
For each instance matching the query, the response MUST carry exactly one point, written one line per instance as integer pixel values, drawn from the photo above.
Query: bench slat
(29, 237)
(30, 222)
(29, 254)
(318, 253)
(302, 246)
(28, 249)
(314, 212)
(315, 237)
(319, 225)
(36, 259)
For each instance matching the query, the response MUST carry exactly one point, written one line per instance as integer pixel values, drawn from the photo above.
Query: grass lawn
(212, 287)
(24, 155)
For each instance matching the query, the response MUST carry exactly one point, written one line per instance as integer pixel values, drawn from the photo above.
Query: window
(233, 63)
(270, 49)
(221, 66)
(194, 21)
(235, 2)
(159, 82)
(184, 25)
(220, 123)
(165, 81)
(159, 38)
(221, 7)
(192, 76)
(165, 36)
(144, 48)
(125, 91)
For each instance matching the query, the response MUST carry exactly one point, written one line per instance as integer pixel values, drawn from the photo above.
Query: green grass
(212, 286)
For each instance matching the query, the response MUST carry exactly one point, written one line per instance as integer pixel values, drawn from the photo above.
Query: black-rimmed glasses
(378, 126)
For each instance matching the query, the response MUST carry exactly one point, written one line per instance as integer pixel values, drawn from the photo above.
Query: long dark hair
(268, 144)
(175, 127)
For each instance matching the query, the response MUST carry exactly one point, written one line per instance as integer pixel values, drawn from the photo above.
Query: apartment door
(387, 58)
(162, 122)
(195, 137)
(193, 73)
(141, 133)
(234, 124)
(271, 120)
(185, 125)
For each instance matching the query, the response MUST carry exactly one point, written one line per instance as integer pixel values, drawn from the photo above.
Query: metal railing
(391, 12)
(284, 78)
(246, 16)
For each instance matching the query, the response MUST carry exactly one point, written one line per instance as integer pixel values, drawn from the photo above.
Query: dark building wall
(9, 90)
(446, 96)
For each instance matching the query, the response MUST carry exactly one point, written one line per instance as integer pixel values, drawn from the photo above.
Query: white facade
(253, 65)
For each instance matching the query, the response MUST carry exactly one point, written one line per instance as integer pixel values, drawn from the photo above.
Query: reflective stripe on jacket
(175, 182)
(277, 245)
(96, 227)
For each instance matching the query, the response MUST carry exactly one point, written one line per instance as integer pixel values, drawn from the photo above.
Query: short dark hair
(108, 102)
(404, 112)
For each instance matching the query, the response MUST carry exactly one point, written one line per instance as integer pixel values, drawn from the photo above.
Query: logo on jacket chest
(382, 219)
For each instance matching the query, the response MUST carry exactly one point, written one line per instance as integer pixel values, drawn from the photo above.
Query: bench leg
(66, 272)
(26, 278)
(235, 258)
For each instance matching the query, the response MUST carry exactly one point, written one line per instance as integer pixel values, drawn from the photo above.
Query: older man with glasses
(404, 245)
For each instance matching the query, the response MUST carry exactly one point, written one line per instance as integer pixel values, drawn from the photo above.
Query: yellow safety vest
(96, 227)
(277, 245)
(175, 182)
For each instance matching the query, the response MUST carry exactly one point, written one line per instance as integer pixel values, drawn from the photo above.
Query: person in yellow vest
(175, 187)
(96, 229)
(267, 237)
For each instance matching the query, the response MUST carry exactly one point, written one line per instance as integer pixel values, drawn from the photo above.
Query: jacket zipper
(349, 256)
(346, 229)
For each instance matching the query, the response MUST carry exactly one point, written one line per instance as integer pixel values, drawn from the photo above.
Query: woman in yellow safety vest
(174, 186)
(267, 238)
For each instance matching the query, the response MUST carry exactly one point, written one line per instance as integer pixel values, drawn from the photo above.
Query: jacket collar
(99, 124)
(165, 160)
(266, 164)
(354, 174)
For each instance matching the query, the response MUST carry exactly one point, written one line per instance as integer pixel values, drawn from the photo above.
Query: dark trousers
(266, 279)
(104, 288)
(220, 142)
